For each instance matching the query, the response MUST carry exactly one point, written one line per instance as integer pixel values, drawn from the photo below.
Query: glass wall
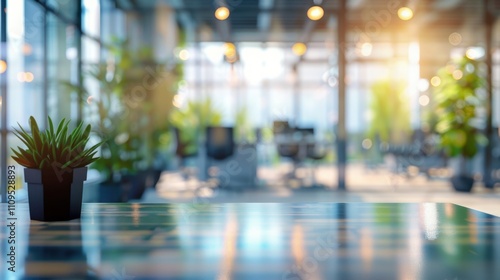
(43, 53)
(53, 43)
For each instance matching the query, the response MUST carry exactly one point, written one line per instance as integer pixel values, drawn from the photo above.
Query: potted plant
(55, 162)
(458, 111)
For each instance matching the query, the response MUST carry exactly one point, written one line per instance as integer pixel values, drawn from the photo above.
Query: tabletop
(255, 241)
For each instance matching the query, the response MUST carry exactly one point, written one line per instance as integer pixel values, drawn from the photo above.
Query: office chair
(219, 145)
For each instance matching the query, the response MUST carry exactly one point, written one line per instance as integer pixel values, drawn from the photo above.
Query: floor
(364, 185)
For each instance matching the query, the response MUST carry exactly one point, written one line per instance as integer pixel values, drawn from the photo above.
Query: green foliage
(130, 111)
(458, 118)
(243, 127)
(57, 148)
(194, 119)
(390, 114)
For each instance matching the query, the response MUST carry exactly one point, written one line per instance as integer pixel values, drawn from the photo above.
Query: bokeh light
(423, 85)
(366, 49)
(367, 143)
(3, 66)
(405, 13)
(457, 74)
(455, 38)
(299, 49)
(435, 81)
(27, 49)
(474, 53)
(184, 55)
(424, 100)
(315, 13)
(90, 99)
(230, 52)
(29, 77)
(177, 101)
(222, 13)
(333, 81)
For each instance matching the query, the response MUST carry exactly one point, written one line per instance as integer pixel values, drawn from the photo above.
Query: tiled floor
(363, 186)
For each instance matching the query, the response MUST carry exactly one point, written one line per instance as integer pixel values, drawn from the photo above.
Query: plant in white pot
(459, 119)
(55, 162)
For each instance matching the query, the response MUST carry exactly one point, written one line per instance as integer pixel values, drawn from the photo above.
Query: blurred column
(296, 95)
(165, 37)
(488, 20)
(341, 129)
(78, 46)
(3, 104)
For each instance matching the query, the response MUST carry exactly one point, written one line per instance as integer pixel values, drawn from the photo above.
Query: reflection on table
(259, 241)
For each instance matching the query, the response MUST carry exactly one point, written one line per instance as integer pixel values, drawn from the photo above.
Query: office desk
(258, 241)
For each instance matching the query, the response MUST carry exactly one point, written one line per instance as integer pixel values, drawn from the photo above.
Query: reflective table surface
(256, 241)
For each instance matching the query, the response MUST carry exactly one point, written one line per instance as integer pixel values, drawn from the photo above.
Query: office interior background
(150, 76)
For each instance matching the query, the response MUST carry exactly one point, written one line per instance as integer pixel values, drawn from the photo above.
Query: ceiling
(286, 21)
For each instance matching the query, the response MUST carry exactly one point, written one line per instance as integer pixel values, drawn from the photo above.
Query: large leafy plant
(130, 109)
(54, 148)
(458, 108)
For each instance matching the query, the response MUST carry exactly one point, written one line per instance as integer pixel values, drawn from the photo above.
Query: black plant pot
(462, 183)
(55, 196)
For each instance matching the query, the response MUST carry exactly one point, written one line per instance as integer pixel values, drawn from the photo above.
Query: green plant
(458, 105)
(194, 119)
(389, 112)
(54, 148)
(130, 109)
(243, 127)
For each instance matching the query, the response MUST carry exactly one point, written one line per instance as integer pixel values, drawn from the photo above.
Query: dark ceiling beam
(223, 28)
(249, 10)
(118, 5)
(264, 19)
(134, 4)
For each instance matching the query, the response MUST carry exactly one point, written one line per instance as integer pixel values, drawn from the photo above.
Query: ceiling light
(405, 13)
(3, 66)
(315, 13)
(299, 49)
(230, 53)
(222, 13)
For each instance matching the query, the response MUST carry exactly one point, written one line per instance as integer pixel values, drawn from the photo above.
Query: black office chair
(304, 132)
(281, 127)
(220, 142)
(219, 146)
(290, 151)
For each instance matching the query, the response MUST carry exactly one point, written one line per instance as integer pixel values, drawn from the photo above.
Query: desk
(259, 241)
